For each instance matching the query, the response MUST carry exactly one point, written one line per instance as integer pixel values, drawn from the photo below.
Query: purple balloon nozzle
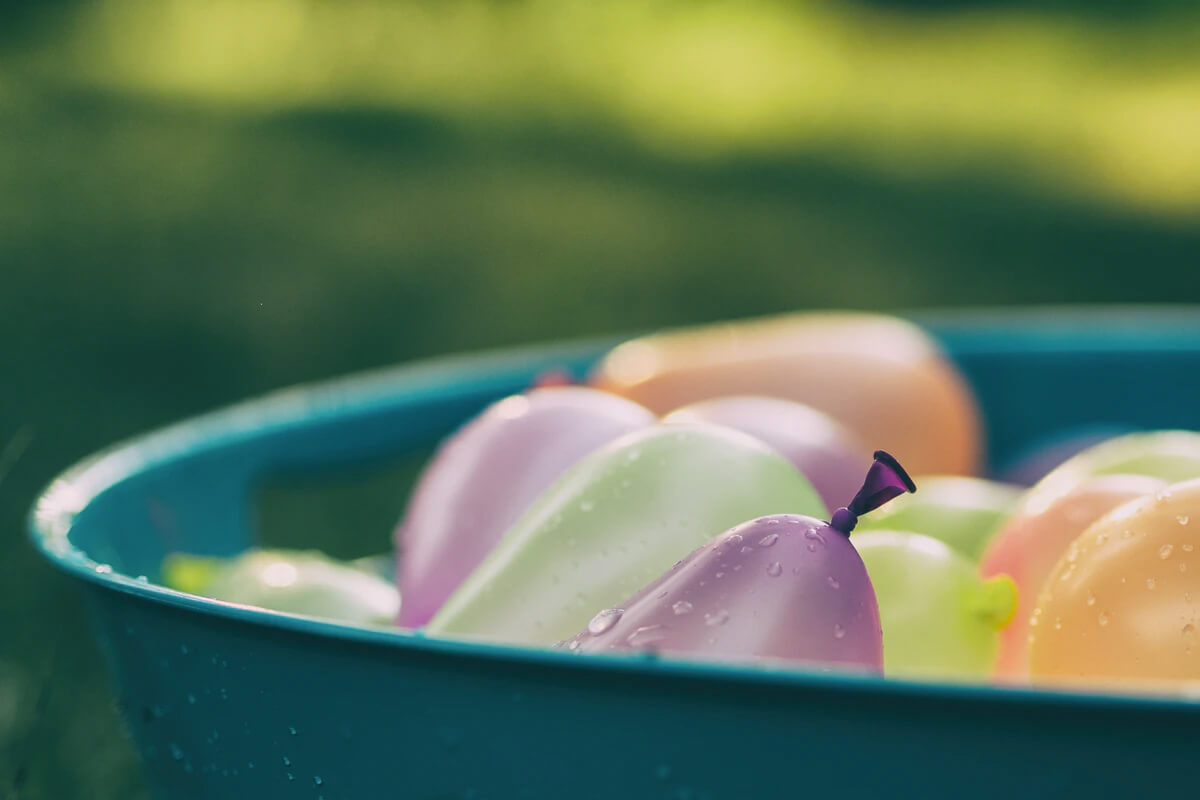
(885, 481)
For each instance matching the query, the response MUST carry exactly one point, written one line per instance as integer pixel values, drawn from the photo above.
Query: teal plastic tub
(232, 702)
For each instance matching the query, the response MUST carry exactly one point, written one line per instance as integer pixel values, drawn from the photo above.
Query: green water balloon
(962, 512)
(615, 522)
(1171, 456)
(295, 582)
(939, 618)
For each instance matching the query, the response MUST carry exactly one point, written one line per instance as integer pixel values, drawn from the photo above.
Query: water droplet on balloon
(747, 549)
(1125, 534)
(833, 582)
(191, 698)
(1091, 599)
(291, 777)
(292, 731)
(647, 634)
(1058, 623)
(768, 540)
(1150, 583)
(1164, 552)
(573, 645)
(682, 607)
(812, 548)
(661, 594)
(1067, 573)
(1182, 519)
(815, 535)
(775, 569)
(103, 569)
(734, 538)
(1101, 538)
(1102, 618)
(839, 632)
(1182, 567)
(604, 620)
(719, 618)
(1187, 548)
(317, 780)
(287, 762)
(772, 521)
(719, 575)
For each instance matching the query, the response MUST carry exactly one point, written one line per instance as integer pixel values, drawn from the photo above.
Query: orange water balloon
(882, 377)
(1121, 609)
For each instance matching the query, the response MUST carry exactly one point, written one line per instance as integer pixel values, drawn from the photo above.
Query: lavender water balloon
(783, 586)
(824, 450)
(486, 475)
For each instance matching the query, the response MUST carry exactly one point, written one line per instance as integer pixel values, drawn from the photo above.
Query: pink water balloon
(485, 476)
(783, 586)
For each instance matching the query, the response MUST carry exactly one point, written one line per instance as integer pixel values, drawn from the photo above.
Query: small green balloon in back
(962, 512)
(295, 582)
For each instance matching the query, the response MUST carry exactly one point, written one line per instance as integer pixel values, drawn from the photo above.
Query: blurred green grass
(200, 201)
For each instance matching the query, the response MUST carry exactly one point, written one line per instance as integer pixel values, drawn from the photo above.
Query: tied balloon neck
(885, 481)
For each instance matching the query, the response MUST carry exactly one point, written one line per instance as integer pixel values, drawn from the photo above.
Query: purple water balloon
(485, 475)
(782, 586)
(825, 451)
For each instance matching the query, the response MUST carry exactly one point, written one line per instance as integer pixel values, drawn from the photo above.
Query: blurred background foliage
(201, 200)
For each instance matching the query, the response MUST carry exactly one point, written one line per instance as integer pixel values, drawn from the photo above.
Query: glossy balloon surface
(485, 476)
(1170, 455)
(962, 512)
(295, 582)
(615, 522)
(881, 377)
(828, 453)
(1122, 606)
(1036, 536)
(939, 618)
(779, 587)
